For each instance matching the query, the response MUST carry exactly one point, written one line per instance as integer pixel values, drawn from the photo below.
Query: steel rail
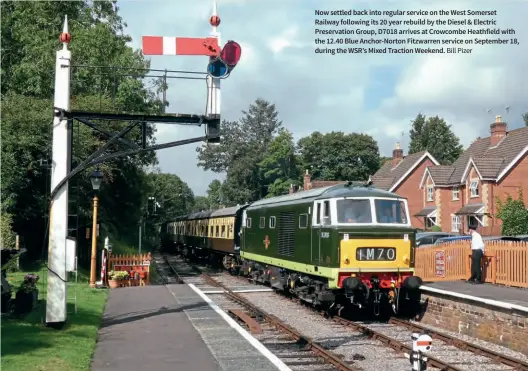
(311, 345)
(398, 346)
(517, 364)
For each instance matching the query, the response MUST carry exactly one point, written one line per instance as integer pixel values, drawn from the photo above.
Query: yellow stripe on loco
(348, 258)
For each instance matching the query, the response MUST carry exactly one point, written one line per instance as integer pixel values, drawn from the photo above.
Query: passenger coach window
(354, 211)
(217, 231)
(223, 231)
(272, 221)
(262, 222)
(303, 221)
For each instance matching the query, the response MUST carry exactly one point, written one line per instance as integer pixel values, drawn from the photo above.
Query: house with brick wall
(402, 175)
(464, 194)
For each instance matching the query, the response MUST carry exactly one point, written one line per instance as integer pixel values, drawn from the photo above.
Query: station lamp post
(97, 179)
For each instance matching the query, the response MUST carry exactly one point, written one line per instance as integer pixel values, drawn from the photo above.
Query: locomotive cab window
(272, 222)
(390, 211)
(248, 222)
(326, 213)
(262, 222)
(354, 211)
(303, 221)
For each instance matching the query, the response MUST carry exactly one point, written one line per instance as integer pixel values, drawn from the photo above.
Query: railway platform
(510, 298)
(174, 327)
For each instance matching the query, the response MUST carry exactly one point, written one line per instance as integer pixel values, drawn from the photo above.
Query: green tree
(514, 215)
(435, 136)
(243, 146)
(214, 194)
(201, 203)
(279, 166)
(525, 118)
(339, 156)
(27, 68)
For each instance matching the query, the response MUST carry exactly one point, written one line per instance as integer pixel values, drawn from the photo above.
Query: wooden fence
(504, 262)
(136, 265)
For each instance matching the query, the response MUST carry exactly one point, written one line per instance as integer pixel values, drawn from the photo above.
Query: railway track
(340, 349)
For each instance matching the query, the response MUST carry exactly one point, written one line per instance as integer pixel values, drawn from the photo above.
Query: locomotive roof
(339, 190)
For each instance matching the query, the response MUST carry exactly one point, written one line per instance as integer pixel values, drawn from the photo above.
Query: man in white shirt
(477, 252)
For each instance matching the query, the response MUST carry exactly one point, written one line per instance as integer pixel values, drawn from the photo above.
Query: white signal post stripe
(246, 335)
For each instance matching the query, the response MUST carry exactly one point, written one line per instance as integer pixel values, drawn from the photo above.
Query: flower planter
(26, 301)
(113, 284)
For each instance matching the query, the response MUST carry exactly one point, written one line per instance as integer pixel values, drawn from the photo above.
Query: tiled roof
(441, 174)
(489, 161)
(387, 176)
(324, 183)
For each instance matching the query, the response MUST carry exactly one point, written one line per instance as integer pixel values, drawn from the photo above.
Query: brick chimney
(397, 155)
(307, 180)
(292, 189)
(498, 131)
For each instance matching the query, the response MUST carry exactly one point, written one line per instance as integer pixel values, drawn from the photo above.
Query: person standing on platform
(477, 252)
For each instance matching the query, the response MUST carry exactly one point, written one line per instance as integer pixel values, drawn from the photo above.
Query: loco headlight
(347, 260)
(406, 259)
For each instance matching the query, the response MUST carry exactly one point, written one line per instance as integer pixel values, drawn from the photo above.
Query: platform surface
(167, 328)
(505, 294)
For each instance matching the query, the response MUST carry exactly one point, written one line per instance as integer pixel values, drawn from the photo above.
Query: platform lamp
(96, 178)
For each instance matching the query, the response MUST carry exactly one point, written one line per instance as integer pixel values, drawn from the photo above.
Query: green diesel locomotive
(337, 246)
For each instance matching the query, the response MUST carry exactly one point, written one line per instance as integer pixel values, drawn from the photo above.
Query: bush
(7, 236)
(436, 228)
(514, 215)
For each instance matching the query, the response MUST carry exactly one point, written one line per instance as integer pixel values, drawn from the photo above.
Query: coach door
(316, 232)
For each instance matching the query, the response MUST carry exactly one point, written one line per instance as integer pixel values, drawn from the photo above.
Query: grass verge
(27, 344)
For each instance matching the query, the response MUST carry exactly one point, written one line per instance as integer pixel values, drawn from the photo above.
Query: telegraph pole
(58, 219)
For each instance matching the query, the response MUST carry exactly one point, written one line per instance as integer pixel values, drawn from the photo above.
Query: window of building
(455, 223)
(456, 193)
(429, 193)
(248, 222)
(473, 188)
(272, 222)
(262, 223)
(303, 221)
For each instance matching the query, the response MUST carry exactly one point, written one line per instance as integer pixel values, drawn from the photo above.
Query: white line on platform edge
(491, 302)
(246, 335)
(236, 291)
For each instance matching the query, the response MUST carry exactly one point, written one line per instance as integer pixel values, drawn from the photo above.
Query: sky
(376, 94)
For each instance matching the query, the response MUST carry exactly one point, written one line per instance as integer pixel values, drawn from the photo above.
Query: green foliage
(30, 33)
(436, 228)
(201, 203)
(514, 215)
(339, 156)
(214, 194)
(243, 146)
(525, 118)
(435, 136)
(8, 238)
(279, 167)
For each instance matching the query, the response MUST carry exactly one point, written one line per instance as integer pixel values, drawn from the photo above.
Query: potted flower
(112, 282)
(27, 294)
(117, 277)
